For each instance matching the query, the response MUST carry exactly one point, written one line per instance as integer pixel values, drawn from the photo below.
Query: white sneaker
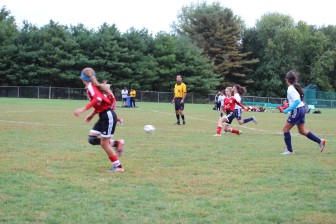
(240, 132)
(322, 144)
(254, 120)
(217, 135)
(287, 152)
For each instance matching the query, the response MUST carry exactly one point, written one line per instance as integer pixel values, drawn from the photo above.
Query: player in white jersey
(297, 112)
(239, 91)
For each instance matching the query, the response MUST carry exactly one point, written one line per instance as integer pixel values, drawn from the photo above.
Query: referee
(180, 92)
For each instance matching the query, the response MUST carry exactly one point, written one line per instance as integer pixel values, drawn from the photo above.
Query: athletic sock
(248, 120)
(288, 141)
(221, 114)
(314, 138)
(115, 161)
(182, 117)
(219, 130)
(178, 118)
(234, 131)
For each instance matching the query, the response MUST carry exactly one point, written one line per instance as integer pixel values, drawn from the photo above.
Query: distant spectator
(124, 95)
(217, 102)
(132, 95)
(283, 107)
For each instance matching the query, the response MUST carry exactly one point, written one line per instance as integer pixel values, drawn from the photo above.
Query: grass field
(179, 174)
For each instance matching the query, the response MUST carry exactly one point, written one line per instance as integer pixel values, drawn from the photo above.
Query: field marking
(243, 126)
(155, 111)
(36, 123)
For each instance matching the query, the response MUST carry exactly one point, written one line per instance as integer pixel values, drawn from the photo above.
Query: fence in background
(152, 96)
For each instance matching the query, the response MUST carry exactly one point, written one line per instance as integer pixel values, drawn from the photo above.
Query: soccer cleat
(217, 135)
(287, 152)
(184, 123)
(322, 144)
(240, 132)
(121, 122)
(116, 169)
(178, 123)
(254, 120)
(119, 148)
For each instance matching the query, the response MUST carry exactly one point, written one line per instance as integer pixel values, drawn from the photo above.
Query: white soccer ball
(149, 128)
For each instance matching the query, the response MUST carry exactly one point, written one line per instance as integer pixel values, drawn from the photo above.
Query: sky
(157, 15)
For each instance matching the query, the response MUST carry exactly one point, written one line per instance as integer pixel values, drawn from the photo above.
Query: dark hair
(292, 78)
(241, 90)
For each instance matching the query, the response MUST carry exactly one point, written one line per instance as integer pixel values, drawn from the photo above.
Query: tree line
(210, 46)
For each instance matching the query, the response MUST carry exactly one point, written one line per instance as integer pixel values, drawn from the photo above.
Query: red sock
(113, 158)
(234, 131)
(219, 130)
(118, 119)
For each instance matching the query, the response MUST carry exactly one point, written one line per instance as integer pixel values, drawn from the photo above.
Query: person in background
(180, 93)
(221, 103)
(101, 99)
(124, 95)
(217, 102)
(283, 107)
(297, 115)
(132, 96)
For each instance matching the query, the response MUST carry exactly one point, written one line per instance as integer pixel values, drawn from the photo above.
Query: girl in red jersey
(101, 99)
(229, 107)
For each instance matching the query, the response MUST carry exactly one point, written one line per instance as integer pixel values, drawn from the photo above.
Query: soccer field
(178, 174)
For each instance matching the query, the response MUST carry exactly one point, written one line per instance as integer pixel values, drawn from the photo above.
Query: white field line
(159, 112)
(243, 126)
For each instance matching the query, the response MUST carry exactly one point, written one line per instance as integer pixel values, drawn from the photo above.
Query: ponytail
(292, 78)
(299, 89)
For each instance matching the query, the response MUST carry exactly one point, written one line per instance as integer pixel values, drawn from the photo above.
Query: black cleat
(184, 123)
(178, 123)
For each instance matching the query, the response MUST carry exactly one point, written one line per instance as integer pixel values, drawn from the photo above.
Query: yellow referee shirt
(132, 93)
(180, 90)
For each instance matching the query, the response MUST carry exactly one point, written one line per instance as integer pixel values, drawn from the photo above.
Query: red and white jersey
(98, 100)
(113, 100)
(230, 103)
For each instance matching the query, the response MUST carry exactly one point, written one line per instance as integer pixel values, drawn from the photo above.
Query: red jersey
(113, 100)
(230, 103)
(98, 101)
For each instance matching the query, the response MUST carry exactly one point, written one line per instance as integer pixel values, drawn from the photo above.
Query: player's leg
(230, 118)
(109, 120)
(177, 111)
(220, 125)
(181, 112)
(287, 138)
(303, 131)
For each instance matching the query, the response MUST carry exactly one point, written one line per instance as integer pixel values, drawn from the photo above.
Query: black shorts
(178, 104)
(124, 99)
(229, 116)
(106, 124)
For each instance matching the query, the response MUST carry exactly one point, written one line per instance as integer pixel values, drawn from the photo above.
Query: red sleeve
(93, 102)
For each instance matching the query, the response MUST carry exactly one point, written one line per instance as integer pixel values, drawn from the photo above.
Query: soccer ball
(149, 128)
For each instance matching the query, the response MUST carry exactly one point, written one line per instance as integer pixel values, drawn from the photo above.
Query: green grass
(179, 174)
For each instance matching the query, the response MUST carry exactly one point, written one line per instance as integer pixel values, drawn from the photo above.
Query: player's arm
(241, 105)
(292, 107)
(90, 116)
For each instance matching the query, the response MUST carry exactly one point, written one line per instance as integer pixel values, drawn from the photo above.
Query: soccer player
(239, 91)
(297, 112)
(180, 93)
(228, 107)
(100, 99)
